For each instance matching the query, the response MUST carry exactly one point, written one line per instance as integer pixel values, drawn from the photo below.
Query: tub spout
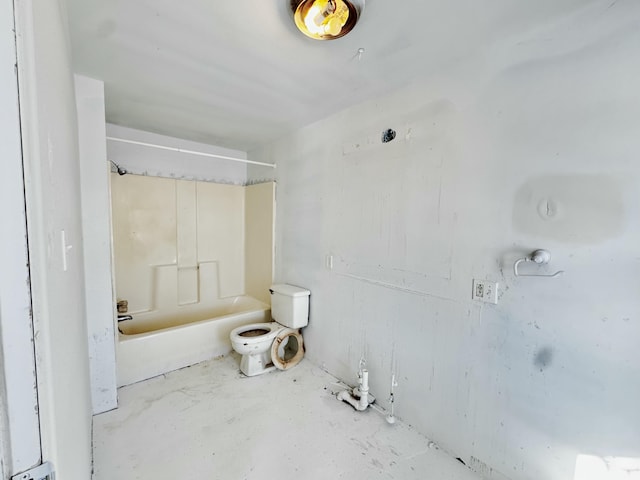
(122, 318)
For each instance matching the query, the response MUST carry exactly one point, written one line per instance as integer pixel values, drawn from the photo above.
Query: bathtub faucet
(122, 318)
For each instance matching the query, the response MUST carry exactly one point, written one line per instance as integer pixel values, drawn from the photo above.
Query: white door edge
(19, 422)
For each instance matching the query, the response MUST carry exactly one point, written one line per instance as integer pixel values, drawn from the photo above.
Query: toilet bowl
(275, 345)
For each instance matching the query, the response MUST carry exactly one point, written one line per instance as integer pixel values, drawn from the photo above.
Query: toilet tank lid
(289, 290)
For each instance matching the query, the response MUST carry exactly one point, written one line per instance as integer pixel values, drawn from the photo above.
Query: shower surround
(193, 260)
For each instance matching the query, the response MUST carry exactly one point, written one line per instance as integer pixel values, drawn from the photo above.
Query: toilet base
(256, 364)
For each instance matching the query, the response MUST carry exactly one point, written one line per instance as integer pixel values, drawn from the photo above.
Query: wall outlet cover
(485, 291)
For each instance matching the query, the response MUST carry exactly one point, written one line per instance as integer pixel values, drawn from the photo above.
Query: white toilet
(277, 345)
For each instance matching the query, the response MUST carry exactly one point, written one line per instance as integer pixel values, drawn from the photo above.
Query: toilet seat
(287, 349)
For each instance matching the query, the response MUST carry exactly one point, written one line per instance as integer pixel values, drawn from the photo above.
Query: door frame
(19, 421)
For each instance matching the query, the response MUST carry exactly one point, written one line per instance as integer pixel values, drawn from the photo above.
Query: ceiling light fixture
(326, 19)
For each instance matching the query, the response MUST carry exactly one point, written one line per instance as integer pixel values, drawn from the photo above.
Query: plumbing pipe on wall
(358, 398)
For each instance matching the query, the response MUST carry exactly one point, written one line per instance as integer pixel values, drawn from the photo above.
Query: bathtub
(152, 343)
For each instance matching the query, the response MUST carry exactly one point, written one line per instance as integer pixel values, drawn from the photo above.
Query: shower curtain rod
(190, 152)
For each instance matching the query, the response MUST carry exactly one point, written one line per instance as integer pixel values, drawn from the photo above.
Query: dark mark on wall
(543, 358)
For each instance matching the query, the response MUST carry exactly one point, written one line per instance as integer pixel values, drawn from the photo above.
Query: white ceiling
(238, 73)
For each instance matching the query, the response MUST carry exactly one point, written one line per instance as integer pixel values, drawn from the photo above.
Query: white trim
(19, 419)
(190, 152)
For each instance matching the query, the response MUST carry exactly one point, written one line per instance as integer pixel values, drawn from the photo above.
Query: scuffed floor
(208, 422)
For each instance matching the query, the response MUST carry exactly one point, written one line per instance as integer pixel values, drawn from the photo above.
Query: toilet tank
(290, 305)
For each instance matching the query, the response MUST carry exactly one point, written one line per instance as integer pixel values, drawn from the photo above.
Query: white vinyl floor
(209, 422)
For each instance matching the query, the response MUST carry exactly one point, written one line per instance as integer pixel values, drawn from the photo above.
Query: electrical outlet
(485, 291)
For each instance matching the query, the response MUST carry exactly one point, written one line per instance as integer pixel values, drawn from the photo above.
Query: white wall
(52, 184)
(142, 160)
(96, 233)
(532, 145)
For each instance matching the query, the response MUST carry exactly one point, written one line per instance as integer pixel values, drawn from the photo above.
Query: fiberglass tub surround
(182, 263)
